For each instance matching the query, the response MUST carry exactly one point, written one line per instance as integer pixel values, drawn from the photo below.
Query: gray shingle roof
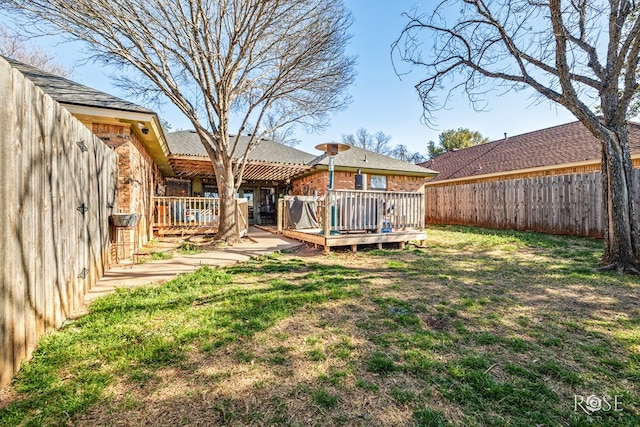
(187, 143)
(356, 157)
(69, 92)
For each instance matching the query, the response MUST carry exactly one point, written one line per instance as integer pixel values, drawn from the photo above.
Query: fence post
(235, 216)
(381, 214)
(327, 214)
(281, 214)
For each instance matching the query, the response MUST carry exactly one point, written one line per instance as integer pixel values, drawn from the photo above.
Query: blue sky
(381, 100)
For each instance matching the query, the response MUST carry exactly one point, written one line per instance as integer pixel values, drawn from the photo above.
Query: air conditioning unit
(361, 181)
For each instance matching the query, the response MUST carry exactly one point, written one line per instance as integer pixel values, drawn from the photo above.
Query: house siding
(319, 182)
(138, 176)
(312, 184)
(405, 183)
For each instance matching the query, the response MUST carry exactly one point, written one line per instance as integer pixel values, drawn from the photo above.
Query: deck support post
(281, 215)
(326, 250)
(326, 226)
(380, 246)
(402, 244)
(354, 248)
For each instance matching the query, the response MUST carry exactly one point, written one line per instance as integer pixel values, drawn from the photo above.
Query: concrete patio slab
(258, 242)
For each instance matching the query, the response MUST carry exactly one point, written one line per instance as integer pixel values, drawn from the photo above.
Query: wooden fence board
(6, 288)
(564, 204)
(45, 242)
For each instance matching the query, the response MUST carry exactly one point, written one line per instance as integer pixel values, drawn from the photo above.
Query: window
(178, 187)
(378, 182)
(210, 190)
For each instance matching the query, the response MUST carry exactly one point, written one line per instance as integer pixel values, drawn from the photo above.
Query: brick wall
(318, 182)
(405, 183)
(137, 178)
(346, 181)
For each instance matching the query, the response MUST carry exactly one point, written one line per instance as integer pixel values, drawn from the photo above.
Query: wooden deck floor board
(313, 236)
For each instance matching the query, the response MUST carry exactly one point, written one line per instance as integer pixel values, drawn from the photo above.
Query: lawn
(483, 327)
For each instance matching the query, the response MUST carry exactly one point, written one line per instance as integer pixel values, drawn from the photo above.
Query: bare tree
(402, 152)
(17, 47)
(220, 62)
(582, 54)
(378, 142)
(283, 135)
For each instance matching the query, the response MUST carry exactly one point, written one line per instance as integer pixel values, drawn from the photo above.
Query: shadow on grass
(153, 327)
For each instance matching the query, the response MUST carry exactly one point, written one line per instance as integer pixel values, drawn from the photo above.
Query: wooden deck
(184, 230)
(316, 237)
(352, 218)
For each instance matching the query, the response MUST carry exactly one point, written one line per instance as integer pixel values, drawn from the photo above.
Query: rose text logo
(593, 403)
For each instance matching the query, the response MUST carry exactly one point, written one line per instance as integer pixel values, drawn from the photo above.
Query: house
(380, 172)
(344, 216)
(275, 170)
(547, 180)
(86, 177)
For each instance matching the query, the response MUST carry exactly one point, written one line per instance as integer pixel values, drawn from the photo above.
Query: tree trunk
(621, 243)
(227, 230)
(225, 179)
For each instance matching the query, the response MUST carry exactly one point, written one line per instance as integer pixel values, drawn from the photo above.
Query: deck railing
(344, 211)
(380, 211)
(195, 213)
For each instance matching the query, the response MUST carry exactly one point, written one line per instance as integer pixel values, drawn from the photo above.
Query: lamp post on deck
(331, 149)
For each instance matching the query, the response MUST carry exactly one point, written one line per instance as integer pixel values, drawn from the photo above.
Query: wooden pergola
(255, 170)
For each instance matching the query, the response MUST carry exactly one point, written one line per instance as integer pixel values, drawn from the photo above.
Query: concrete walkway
(258, 242)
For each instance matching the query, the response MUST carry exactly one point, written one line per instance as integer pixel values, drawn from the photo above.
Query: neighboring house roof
(69, 92)
(187, 143)
(359, 158)
(563, 144)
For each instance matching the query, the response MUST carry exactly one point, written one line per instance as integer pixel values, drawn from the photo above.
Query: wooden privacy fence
(57, 189)
(561, 204)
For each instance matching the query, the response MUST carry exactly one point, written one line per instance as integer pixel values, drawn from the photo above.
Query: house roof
(187, 143)
(359, 158)
(268, 161)
(90, 105)
(567, 143)
(69, 92)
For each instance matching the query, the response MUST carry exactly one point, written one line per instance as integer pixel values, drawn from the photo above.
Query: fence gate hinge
(83, 273)
(82, 209)
(82, 146)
